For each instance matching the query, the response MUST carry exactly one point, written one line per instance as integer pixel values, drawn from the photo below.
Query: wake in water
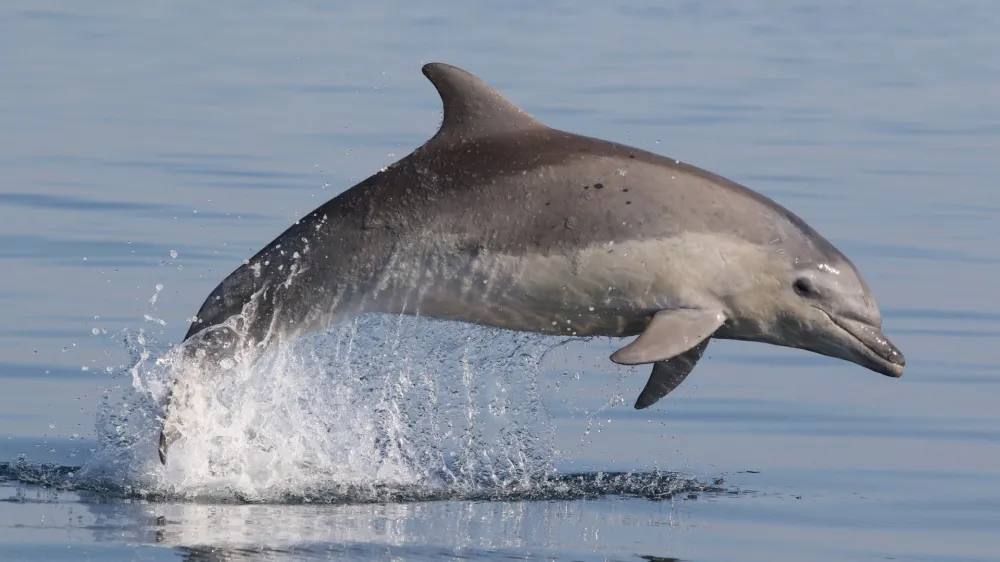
(379, 409)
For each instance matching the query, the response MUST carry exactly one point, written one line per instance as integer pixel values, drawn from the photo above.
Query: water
(148, 146)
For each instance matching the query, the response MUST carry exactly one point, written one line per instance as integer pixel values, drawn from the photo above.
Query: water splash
(655, 485)
(381, 406)
(380, 409)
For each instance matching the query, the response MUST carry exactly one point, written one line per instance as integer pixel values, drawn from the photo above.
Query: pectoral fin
(670, 333)
(669, 374)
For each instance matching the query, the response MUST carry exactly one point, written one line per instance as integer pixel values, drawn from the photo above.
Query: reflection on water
(449, 527)
(563, 530)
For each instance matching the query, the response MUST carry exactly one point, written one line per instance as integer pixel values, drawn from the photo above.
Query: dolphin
(503, 221)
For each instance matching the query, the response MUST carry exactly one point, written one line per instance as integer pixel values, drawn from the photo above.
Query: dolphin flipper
(669, 374)
(670, 333)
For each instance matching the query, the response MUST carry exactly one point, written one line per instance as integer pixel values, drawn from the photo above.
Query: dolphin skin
(502, 221)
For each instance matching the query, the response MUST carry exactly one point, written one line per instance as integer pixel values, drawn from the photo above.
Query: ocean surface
(147, 149)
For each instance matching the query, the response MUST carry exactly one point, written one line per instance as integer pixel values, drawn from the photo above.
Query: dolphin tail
(201, 354)
(283, 291)
(244, 316)
(235, 316)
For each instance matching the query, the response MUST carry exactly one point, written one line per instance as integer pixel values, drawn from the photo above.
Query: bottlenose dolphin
(502, 221)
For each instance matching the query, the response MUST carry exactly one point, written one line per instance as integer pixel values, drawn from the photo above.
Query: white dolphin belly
(604, 289)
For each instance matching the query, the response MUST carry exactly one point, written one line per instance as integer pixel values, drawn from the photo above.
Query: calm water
(160, 146)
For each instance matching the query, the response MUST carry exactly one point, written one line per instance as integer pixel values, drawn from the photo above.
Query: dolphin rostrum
(502, 221)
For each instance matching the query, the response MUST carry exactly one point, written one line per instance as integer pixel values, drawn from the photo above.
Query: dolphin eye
(804, 288)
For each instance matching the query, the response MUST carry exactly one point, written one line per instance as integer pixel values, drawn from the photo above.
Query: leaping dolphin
(502, 221)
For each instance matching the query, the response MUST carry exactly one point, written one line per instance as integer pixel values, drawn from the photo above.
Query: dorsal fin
(472, 108)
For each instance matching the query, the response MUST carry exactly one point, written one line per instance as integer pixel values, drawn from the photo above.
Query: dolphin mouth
(884, 357)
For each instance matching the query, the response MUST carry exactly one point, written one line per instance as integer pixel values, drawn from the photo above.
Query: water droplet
(173, 254)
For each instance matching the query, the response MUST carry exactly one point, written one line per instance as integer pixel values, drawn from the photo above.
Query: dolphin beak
(876, 351)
